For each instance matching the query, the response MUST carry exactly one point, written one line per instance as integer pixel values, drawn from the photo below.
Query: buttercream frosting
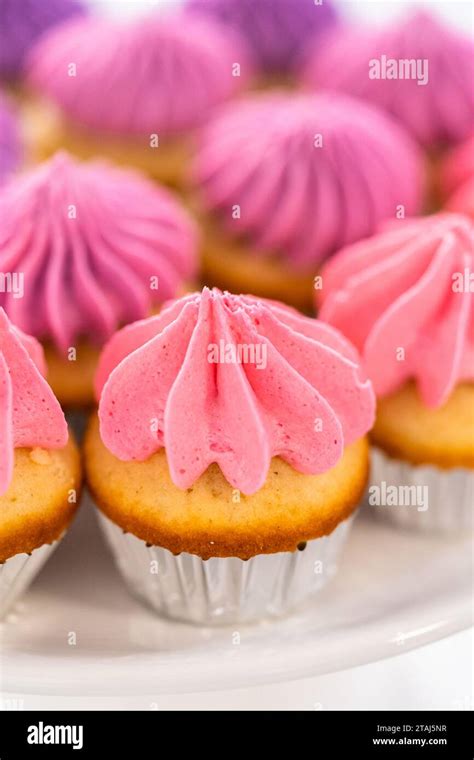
(405, 298)
(30, 414)
(151, 76)
(176, 381)
(302, 175)
(96, 247)
(418, 69)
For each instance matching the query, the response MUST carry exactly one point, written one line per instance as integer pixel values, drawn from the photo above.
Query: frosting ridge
(439, 109)
(102, 244)
(30, 414)
(160, 387)
(172, 69)
(405, 299)
(299, 198)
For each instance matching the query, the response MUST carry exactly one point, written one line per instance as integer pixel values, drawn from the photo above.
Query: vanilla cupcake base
(46, 131)
(223, 590)
(18, 572)
(421, 497)
(72, 381)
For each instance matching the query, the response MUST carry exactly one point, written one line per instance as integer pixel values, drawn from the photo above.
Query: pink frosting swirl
(405, 299)
(457, 178)
(100, 244)
(30, 414)
(299, 199)
(439, 109)
(153, 75)
(175, 380)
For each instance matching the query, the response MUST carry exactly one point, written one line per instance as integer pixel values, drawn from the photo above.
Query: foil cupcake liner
(421, 497)
(17, 572)
(223, 590)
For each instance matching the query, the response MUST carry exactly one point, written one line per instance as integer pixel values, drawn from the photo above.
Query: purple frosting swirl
(276, 31)
(22, 22)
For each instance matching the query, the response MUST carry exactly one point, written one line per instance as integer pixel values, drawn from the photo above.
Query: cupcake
(133, 92)
(23, 23)
(457, 178)
(276, 31)
(276, 201)
(93, 247)
(10, 141)
(228, 456)
(39, 465)
(417, 69)
(405, 299)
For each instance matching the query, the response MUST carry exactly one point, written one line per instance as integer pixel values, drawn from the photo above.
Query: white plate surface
(395, 591)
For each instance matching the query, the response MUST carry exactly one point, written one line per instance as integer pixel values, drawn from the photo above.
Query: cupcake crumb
(40, 456)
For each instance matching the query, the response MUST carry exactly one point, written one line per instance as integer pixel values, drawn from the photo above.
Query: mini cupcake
(92, 248)
(417, 69)
(39, 466)
(230, 455)
(284, 180)
(276, 31)
(10, 141)
(405, 299)
(21, 26)
(133, 92)
(457, 178)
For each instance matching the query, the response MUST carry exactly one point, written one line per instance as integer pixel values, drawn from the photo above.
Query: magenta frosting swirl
(30, 414)
(232, 380)
(298, 200)
(405, 299)
(150, 76)
(438, 111)
(96, 246)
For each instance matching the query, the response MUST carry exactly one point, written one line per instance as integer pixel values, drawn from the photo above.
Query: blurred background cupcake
(457, 178)
(11, 143)
(283, 180)
(133, 91)
(40, 472)
(277, 32)
(418, 68)
(405, 298)
(88, 247)
(22, 24)
(231, 454)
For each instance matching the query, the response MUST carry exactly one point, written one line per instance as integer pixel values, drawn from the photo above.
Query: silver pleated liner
(427, 498)
(17, 572)
(223, 590)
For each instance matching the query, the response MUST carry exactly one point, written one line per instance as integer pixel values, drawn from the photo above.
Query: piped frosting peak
(101, 245)
(232, 380)
(405, 298)
(30, 414)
